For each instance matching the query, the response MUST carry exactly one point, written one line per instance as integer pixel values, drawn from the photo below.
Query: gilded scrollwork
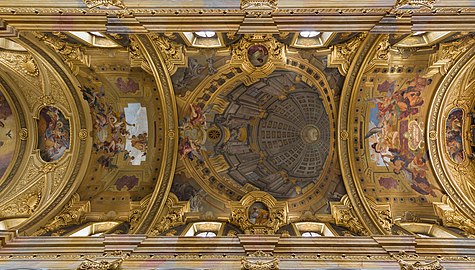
(435, 265)
(260, 5)
(104, 3)
(72, 214)
(260, 260)
(23, 134)
(448, 53)
(345, 216)
(23, 62)
(415, 3)
(342, 54)
(24, 204)
(172, 52)
(113, 262)
(254, 220)
(271, 56)
(73, 54)
(83, 134)
(452, 217)
(173, 216)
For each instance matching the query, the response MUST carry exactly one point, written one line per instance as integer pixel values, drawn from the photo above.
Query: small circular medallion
(310, 134)
(257, 55)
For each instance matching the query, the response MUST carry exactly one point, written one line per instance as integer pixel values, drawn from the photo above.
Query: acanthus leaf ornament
(72, 214)
(447, 54)
(104, 3)
(173, 216)
(345, 216)
(452, 217)
(260, 260)
(173, 53)
(342, 54)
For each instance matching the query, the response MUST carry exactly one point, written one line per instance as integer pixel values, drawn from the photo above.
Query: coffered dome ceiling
(285, 148)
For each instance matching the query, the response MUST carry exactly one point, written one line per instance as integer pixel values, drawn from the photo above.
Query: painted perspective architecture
(252, 134)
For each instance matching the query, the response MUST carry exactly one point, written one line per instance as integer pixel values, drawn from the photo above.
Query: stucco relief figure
(7, 134)
(453, 135)
(53, 134)
(257, 55)
(389, 128)
(258, 213)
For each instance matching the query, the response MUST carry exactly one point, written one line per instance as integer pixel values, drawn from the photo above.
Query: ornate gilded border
(72, 183)
(435, 137)
(356, 195)
(170, 145)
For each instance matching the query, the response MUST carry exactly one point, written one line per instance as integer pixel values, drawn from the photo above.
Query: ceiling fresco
(8, 135)
(259, 132)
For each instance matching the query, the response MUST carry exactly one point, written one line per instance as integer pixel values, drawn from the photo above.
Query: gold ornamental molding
(104, 3)
(172, 216)
(452, 217)
(344, 215)
(245, 55)
(244, 71)
(149, 215)
(260, 260)
(362, 212)
(258, 213)
(455, 92)
(342, 54)
(173, 53)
